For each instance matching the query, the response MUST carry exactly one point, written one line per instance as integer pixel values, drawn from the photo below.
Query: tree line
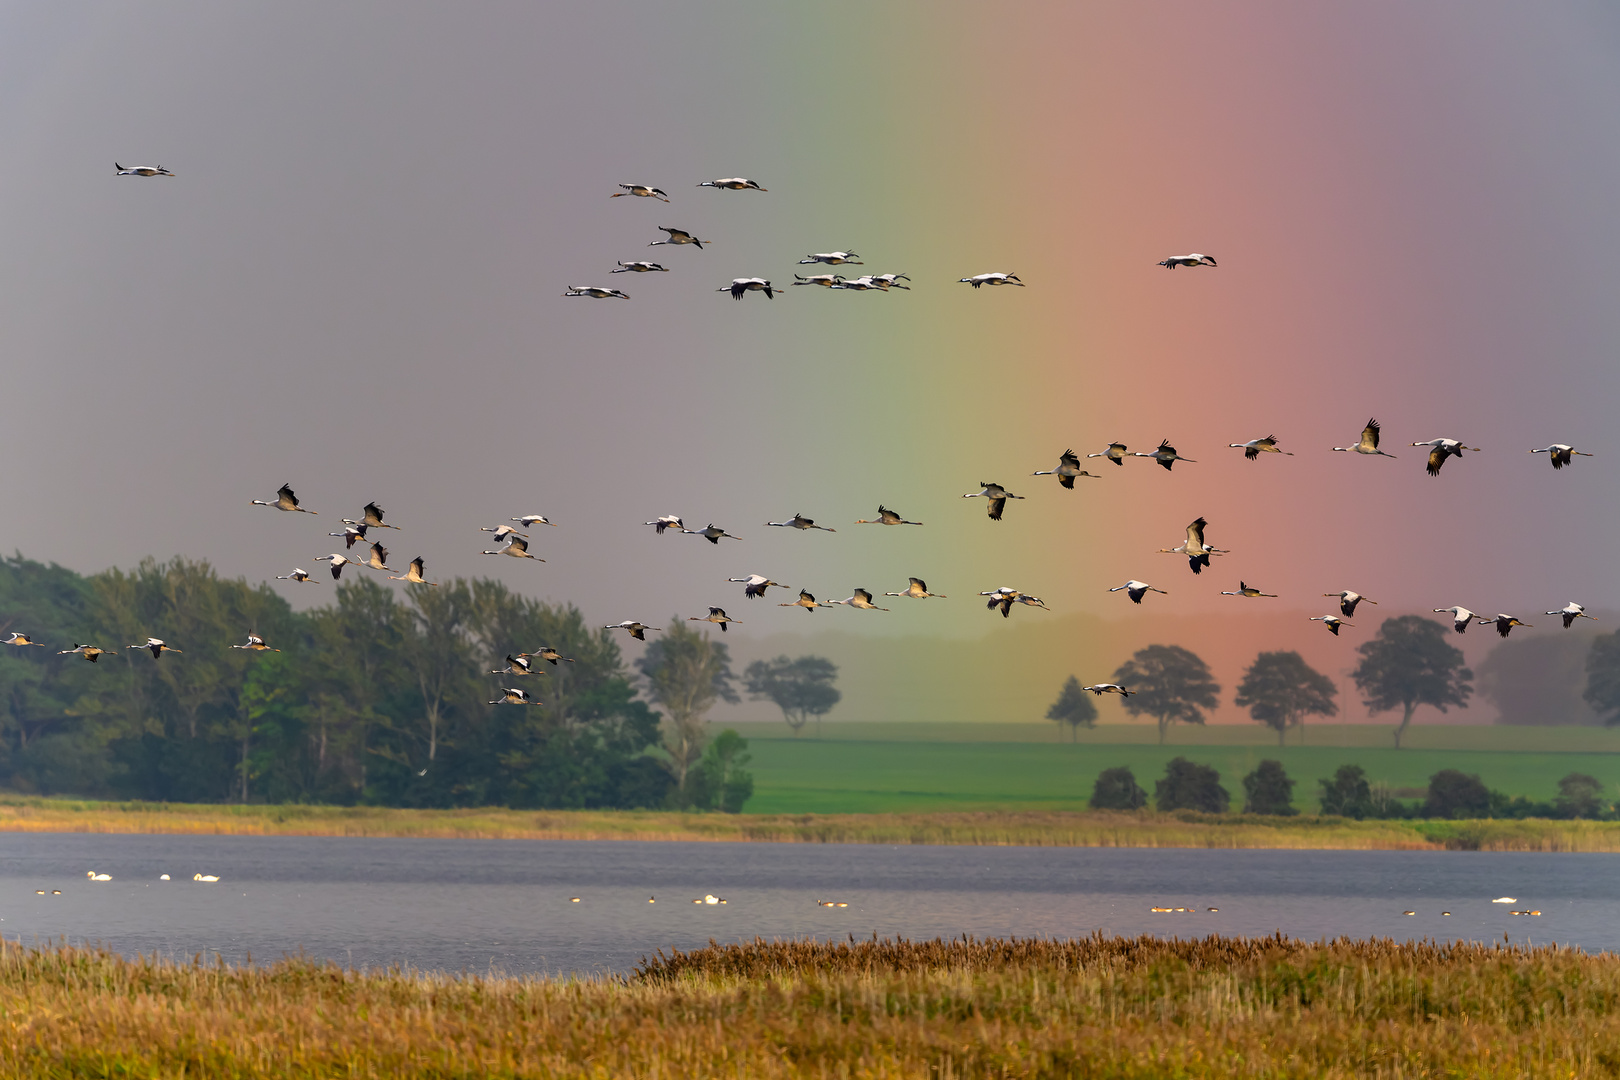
(1407, 664)
(1268, 790)
(380, 697)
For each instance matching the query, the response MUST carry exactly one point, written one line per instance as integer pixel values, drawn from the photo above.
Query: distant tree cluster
(377, 697)
(1409, 663)
(1268, 790)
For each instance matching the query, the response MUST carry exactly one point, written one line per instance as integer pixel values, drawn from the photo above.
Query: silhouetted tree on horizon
(1280, 689)
(1073, 707)
(1408, 664)
(1168, 683)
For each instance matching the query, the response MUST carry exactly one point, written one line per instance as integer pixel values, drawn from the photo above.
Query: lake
(507, 905)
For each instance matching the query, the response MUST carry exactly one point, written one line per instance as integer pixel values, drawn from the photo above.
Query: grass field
(871, 768)
(1096, 1006)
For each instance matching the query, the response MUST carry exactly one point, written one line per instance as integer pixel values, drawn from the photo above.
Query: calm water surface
(476, 905)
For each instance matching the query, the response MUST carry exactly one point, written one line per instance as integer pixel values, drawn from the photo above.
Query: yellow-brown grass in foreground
(1096, 1007)
(1036, 828)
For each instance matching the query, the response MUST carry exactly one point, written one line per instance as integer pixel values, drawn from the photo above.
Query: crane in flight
(1165, 455)
(861, 599)
(299, 574)
(1245, 589)
(716, 615)
(157, 645)
(997, 497)
(833, 258)
(800, 522)
(1255, 447)
(1191, 259)
(754, 585)
(142, 170)
(1561, 454)
(667, 521)
(513, 695)
(1137, 589)
(640, 267)
(1194, 547)
(1572, 611)
(1348, 599)
(517, 548)
(1116, 452)
(17, 638)
(337, 563)
(678, 237)
(1504, 623)
(255, 643)
(596, 292)
(641, 191)
(284, 500)
(743, 285)
(1107, 688)
(529, 521)
(886, 517)
(996, 278)
(636, 630)
(734, 183)
(917, 590)
(413, 574)
(1368, 444)
(1068, 468)
(805, 601)
(1440, 449)
(89, 652)
(1461, 617)
(712, 533)
(1332, 622)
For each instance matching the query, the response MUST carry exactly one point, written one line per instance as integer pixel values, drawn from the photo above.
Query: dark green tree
(1189, 786)
(1348, 794)
(801, 688)
(1408, 664)
(1603, 677)
(686, 671)
(1073, 707)
(1168, 683)
(1454, 794)
(1580, 796)
(1117, 789)
(718, 780)
(1267, 790)
(1280, 689)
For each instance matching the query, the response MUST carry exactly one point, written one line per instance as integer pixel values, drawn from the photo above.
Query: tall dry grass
(1051, 828)
(1096, 1007)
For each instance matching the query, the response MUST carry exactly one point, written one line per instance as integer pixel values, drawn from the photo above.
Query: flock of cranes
(515, 543)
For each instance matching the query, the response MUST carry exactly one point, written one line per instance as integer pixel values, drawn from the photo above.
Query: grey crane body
(641, 191)
(833, 258)
(800, 522)
(1190, 259)
(886, 517)
(992, 279)
(678, 237)
(1137, 589)
(917, 590)
(640, 266)
(284, 500)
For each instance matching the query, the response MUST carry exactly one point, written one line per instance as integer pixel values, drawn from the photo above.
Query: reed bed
(1094, 1007)
(1032, 828)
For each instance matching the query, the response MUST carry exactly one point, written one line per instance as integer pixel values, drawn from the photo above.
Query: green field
(869, 768)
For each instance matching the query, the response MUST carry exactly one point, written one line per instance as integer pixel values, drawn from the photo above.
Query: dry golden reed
(1049, 828)
(1093, 1007)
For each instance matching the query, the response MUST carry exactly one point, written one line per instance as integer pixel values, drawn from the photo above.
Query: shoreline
(1016, 828)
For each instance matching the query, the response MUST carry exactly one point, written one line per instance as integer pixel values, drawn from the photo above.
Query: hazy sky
(354, 284)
